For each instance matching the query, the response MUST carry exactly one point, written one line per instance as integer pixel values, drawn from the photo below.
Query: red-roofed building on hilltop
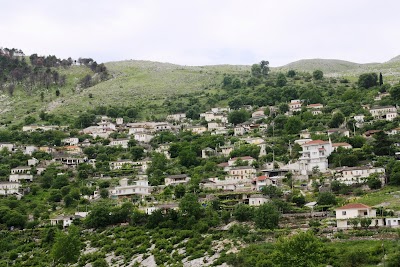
(345, 215)
(315, 156)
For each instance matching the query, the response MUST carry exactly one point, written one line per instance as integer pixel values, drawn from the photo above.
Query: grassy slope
(333, 67)
(135, 82)
(20, 104)
(326, 65)
(139, 82)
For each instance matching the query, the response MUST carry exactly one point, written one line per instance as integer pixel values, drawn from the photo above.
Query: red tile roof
(223, 164)
(315, 142)
(354, 206)
(261, 178)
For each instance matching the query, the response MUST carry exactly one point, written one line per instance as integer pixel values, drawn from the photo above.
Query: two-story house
(139, 187)
(177, 179)
(345, 214)
(384, 112)
(354, 175)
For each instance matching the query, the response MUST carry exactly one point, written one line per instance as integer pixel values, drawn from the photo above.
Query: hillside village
(296, 162)
(240, 174)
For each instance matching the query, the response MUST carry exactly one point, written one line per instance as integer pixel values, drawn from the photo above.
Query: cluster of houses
(241, 175)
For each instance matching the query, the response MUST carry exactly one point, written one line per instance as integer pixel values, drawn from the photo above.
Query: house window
(348, 222)
(343, 213)
(365, 212)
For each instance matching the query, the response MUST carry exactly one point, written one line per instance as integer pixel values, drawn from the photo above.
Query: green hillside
(135, 82)
(326, 65)
(146, 84)
(336, 68)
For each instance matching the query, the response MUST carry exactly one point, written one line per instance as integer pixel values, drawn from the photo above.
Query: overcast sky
(204, 32)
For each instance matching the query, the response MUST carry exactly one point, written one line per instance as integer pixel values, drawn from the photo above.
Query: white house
(294, 105)
(211, 116)
(177, 179)
(315, 155)
(119, 121)
(10, 147)
(64, 220)
(176, 117)
(380, 112)
(28, 150)
(354, 175)
(161, 126)
(139, 187)
(9, 188)
(216, 126)
(257, 200)
(315, 109)
(70, 141)
(162, 207)
(123, 142)
(390, 116)
(197, 129)
(33, 162)
(356, 210)
(21, 170)
(226, 150)
(392, 222)
(143, 137)
(241, 129)
(18, 177)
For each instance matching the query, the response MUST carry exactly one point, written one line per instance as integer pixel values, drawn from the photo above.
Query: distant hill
(336, 68)
(326, 65)
(395, 59)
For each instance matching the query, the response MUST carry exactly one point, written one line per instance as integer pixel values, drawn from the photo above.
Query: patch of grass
(388, 197)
